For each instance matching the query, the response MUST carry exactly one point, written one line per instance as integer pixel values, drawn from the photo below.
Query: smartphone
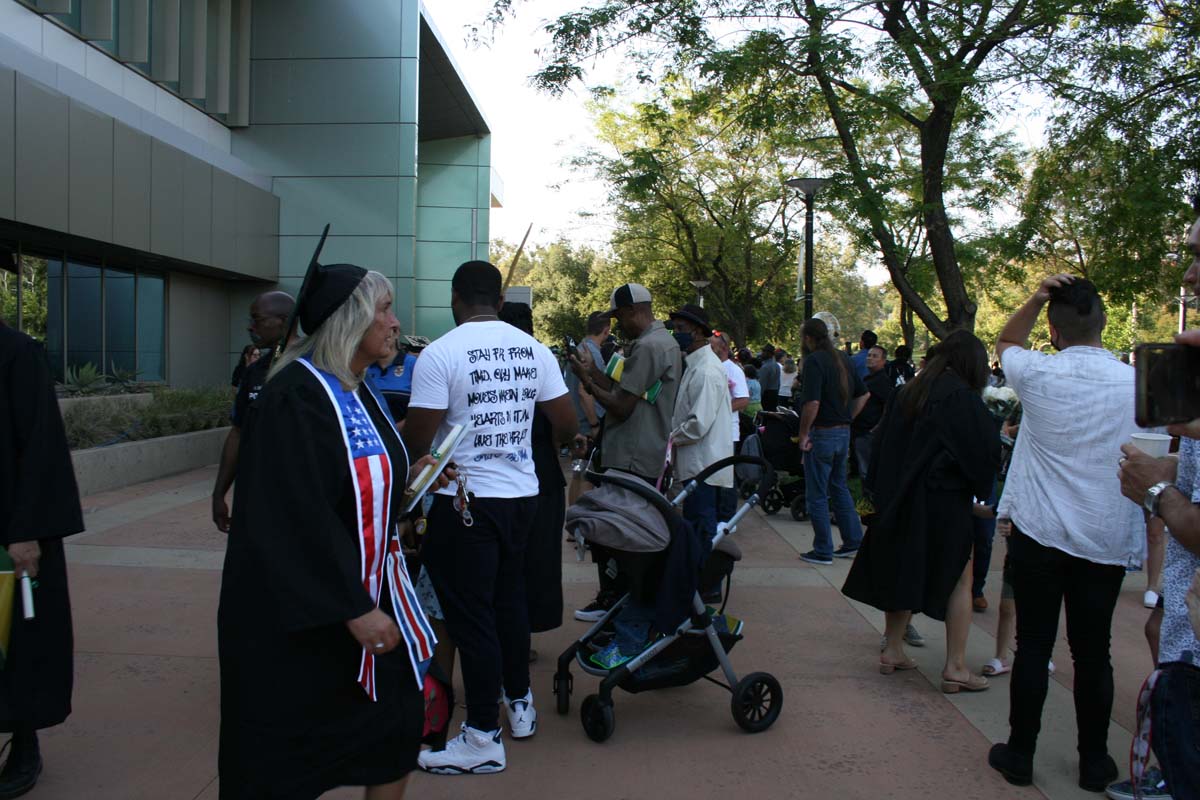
(1168, 384)
(570, 346)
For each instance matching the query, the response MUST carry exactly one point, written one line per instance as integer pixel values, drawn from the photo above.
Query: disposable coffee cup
(1152, 444)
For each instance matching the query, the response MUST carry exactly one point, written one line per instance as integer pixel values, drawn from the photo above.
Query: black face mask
(684, 339)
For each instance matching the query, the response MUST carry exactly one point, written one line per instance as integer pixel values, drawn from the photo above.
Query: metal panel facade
(91, 173)
(42, 120)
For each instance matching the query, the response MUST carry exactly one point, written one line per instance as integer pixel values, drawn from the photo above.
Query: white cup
(1152, 444)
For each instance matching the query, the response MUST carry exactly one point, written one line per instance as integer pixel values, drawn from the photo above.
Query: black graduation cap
(325, 288)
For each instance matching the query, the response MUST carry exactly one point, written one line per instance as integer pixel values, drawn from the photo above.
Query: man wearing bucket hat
(1072, 534)
(638, 401)
(698, 426)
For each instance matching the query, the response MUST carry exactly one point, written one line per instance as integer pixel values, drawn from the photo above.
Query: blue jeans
(825, 481)
(1175, 711)
(700, 509)
(632, 627)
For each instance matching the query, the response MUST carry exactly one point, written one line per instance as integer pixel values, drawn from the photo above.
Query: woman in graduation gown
(39, 505)
(936, 450)
(322, 643)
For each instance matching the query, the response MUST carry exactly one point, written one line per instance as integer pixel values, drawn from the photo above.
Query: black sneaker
(845, 551)
(1095, 774)
(1016, 768)
(813, 557)
(595, 611)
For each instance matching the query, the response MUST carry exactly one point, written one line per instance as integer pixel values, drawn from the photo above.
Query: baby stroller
(776, 442)
(695, 649)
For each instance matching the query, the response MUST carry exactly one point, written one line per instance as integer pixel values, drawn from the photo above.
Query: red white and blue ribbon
(381, 559)
(1140, 747)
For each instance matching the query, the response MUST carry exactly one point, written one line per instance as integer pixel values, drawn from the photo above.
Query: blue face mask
(684, 340)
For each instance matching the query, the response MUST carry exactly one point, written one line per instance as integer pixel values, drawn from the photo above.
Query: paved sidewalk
(145, 580)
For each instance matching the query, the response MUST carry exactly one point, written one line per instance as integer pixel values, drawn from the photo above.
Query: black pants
(478, 574)
(1044, 579)
(770, 399)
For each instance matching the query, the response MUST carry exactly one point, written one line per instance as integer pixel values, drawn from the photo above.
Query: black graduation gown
(38, 500)
(543, 554)
(923, 476)
(294, 721)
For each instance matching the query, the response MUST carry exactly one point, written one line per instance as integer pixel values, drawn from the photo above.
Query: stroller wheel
(598, 719)
(799, 512)
(757, 701)
(772, 502)
(562, 692)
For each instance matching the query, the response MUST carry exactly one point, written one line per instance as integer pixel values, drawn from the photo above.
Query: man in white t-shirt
(1072, 533)
(739, 398)
(487, 376)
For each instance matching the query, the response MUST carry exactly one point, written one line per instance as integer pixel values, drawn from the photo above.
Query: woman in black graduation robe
(935, 451)
(543, 554)
(39, 502)
(294, 720)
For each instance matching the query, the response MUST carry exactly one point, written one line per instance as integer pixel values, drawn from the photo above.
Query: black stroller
(776, 442)
(695, 649)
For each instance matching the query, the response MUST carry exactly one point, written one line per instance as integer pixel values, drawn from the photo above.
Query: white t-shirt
(488, 376)
(737, 388)
(1062, 488)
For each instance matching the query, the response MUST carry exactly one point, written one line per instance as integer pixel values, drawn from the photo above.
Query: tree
(698, 199)
(933, 76)
(558, 274)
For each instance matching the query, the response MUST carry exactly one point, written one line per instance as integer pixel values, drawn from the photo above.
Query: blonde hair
(333, 345)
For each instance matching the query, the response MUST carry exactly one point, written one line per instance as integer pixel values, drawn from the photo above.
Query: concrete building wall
(198, 331)
(453, 197)
(333, 118)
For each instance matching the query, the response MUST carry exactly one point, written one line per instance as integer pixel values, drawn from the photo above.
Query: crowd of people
(368, 560)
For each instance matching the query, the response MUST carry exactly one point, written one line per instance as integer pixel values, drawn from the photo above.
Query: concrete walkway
(145, 580)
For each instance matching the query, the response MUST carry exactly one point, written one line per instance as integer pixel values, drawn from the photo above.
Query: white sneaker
(472, 752)
(1150, 599)
(522, 717)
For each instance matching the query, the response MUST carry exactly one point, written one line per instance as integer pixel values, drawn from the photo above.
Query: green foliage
(85, 379)
(906, 106)
(172, 411)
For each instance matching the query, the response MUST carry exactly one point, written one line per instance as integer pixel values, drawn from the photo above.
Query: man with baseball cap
(699, 427)
(638, 406)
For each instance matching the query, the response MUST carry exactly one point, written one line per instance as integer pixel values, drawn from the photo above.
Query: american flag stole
(381, 559)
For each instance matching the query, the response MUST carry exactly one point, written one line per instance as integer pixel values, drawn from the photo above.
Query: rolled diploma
(27, 595)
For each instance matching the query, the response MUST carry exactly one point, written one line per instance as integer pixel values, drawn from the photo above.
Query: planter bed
(100, 469)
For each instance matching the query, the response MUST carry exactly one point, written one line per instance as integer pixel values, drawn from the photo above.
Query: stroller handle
(765, 481)
(638, 487)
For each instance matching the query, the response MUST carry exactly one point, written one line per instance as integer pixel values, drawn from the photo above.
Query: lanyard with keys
(462, 501)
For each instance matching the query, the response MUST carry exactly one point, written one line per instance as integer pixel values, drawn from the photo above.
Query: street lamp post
(809, 188)
(700, 284)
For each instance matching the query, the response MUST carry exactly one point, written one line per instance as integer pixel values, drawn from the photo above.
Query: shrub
(171, 412)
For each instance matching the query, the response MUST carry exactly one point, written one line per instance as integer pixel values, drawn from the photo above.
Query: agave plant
(85, 379)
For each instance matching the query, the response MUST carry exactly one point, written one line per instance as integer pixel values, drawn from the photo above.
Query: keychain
(462, 501)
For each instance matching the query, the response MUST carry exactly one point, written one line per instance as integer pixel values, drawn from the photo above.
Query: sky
(533, 133)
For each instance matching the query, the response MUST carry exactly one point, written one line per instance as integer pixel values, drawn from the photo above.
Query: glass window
(151, 327)
(10, 282)
(85, 335)
(119, 329)
(42, 305)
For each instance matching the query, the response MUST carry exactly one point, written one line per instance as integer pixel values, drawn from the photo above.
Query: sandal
(887, 669)
(975, 683)
(996, 667)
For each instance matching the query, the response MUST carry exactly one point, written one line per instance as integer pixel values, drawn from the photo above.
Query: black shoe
(1016, 768)
(595, 610)
(24, 765)
(813, 557)
(1095, 774)
(845, 551)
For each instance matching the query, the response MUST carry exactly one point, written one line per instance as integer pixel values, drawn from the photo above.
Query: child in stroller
(776, 441)
(698, 639)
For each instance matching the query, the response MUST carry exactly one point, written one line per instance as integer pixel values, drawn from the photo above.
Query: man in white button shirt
(698, 425)
(739, 398)
(1072, 537)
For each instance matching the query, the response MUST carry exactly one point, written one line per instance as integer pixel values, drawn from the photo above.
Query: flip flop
(996, 667)
(973, 684)
(888, 669)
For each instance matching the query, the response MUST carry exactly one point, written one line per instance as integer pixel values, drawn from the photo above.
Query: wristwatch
(1154, 496)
